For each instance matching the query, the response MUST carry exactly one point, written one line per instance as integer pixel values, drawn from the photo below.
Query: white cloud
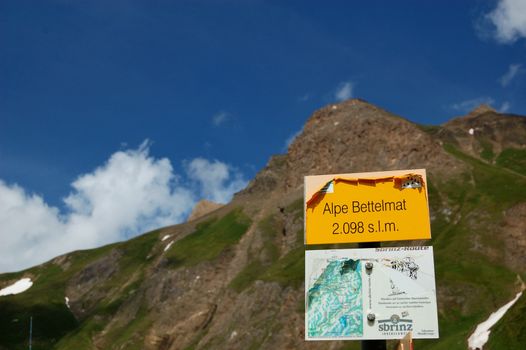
(217, 181)
(220, 118)
(513, 71)
(505, 107)
(508, 21)
(468, 105)
(29, 229)
(344, 91)
(131, 193)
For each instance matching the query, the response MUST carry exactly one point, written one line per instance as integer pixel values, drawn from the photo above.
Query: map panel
(344, 286)
(335, 303)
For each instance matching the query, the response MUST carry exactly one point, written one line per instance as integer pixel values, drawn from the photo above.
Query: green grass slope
(510, 331)
(45, 300)
(55, 326)
(474, 278)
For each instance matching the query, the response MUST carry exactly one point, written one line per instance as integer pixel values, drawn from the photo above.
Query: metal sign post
(374, 344)
(30, 332)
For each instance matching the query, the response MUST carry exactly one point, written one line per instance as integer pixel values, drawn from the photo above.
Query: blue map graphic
(334, 300)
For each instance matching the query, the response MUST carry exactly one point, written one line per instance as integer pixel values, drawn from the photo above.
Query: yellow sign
(366, 207)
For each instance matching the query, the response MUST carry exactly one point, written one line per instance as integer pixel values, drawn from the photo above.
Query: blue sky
(201, 93)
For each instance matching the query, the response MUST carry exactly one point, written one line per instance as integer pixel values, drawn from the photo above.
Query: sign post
(372, 293)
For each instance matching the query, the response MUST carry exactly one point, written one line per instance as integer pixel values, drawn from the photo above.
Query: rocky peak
(485, 128)
(333, 111)
(202, 208)
(351, 136)
(356, 136)
(482, 109)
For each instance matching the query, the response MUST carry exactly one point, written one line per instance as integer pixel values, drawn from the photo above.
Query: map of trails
(334, 299)
(395, 284)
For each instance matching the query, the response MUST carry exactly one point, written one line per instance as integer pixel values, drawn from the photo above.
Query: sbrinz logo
(395, 324)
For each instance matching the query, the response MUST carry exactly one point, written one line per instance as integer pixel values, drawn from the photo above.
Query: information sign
(373, 293)
(366, 207)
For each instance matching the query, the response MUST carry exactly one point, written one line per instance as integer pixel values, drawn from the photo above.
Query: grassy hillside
(467, 212)
(510, 331)
(55, 326)
(45, 300)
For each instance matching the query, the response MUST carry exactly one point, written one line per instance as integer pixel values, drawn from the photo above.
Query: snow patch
(168, 246)
(481, 335)
(17, 287)
(165, 237)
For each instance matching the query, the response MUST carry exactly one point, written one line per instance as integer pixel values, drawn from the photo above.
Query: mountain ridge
(233, 278)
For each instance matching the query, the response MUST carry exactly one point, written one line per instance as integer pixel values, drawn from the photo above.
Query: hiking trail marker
(366, 207)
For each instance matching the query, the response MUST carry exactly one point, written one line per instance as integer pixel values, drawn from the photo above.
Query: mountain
(233, 278)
